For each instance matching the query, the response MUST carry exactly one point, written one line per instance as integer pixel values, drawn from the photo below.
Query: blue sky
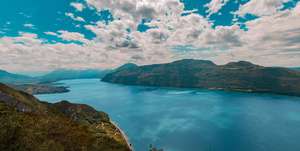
(49, 16)
(140, 31)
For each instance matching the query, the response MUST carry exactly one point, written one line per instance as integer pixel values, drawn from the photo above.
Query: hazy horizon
(40, 73)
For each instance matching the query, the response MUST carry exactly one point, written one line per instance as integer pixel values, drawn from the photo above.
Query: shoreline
(124, 135)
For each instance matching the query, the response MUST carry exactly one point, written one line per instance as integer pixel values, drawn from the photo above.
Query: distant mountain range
(6, 77)
(56, 75)
(29, 124)
(67, 74)
(43, 84)
(235, 76)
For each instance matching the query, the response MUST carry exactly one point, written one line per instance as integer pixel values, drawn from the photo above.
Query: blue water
(193, 120)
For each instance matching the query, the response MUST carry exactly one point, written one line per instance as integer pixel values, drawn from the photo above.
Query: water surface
(190, 119)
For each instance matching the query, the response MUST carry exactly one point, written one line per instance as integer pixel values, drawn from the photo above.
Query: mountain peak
(127, 66)
(3, 71)
(12, 78)
(241, 64)
(193, 61)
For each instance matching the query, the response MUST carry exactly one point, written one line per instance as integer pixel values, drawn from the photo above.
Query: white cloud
(72, 36)
(51, 33)
(30, 52)
(215, 6)
(135, 10)
(69, 36)
(273, 39)
(261, 7)
(275, 36)
(76, 18)
(78, 6)
(29, 25)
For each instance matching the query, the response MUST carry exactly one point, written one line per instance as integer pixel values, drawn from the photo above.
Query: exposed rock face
(15, 103)
(235, 76)
(28, 124)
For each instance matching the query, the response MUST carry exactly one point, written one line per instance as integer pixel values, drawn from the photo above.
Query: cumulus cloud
(76, 18)
(215, 6)
(51, 33)
(272, 39)
(261, 7)
(135, 10)
(28, 52)
(72, 36)
(275, 36)
(78, 6)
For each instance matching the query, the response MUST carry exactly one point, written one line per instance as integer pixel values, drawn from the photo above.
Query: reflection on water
(193, 120)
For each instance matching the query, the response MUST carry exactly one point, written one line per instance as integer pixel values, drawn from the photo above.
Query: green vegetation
(30, 125)
(235, 76)
(41, 88)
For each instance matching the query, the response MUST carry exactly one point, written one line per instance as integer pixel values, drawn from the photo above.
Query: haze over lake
(192, 119)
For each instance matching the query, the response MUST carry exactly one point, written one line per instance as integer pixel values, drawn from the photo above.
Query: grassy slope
(54, 127)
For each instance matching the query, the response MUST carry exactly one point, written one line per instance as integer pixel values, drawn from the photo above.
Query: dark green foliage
(53, 127)
(41, 88)
(236, 76)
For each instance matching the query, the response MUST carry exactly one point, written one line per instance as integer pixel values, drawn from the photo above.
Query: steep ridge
(29, 124)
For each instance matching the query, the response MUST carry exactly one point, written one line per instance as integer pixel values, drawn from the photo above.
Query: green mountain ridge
(28, 124)
(235, 76)
(67, 74)
(296, 68)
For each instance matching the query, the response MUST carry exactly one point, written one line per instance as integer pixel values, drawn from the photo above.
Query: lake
(192, 119)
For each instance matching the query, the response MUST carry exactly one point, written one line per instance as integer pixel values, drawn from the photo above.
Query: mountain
(296, 68)
(56, 75)
(43, 84)
(67, 74)
(6, 77)
(127, 66)
(29, 124)
(29, 84)
(235, 76)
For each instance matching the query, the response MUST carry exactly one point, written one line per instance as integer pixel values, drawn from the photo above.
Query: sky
(45, 35)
